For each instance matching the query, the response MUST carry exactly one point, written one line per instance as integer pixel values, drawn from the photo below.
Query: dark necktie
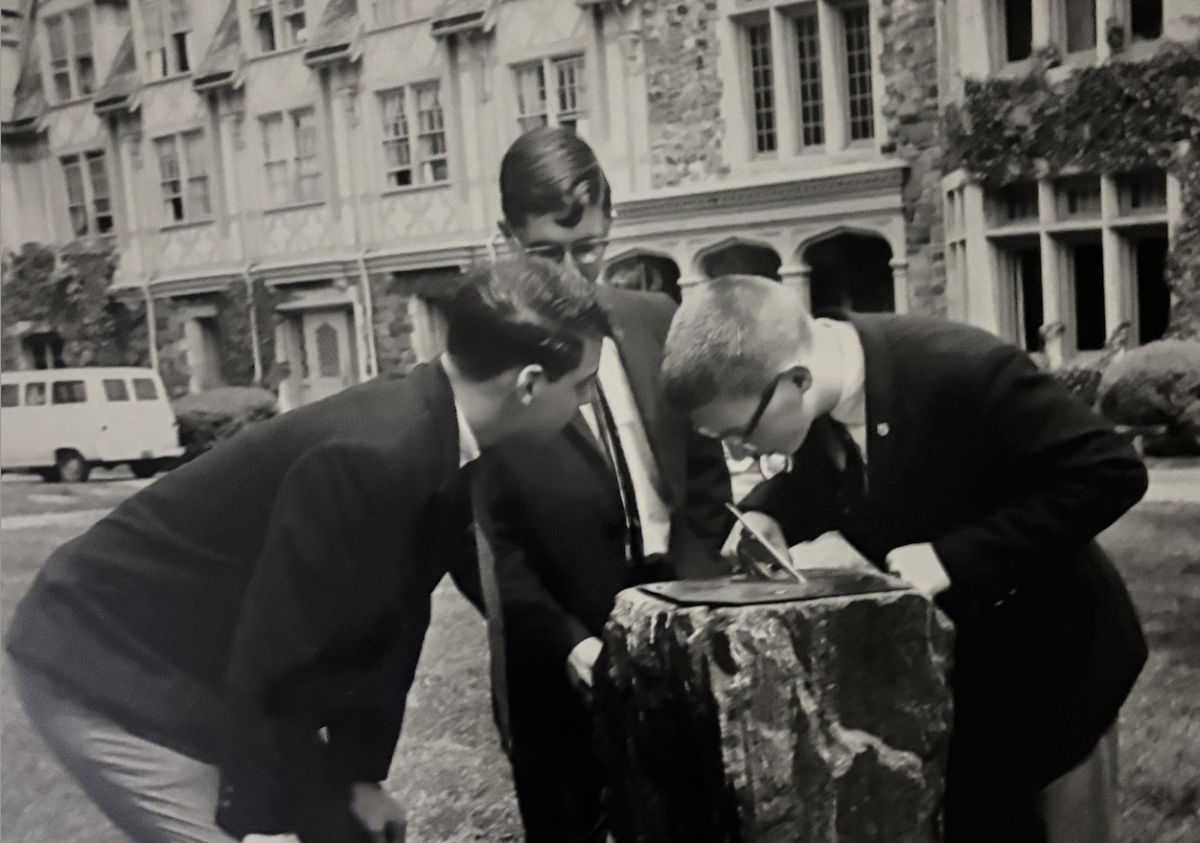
(611, 442)
(847, 456)
(493, 606)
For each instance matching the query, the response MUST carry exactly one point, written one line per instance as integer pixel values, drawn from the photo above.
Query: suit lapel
(886, 421)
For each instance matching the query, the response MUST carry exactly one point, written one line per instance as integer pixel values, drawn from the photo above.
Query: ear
(507, 231)
(801, 376)
(530, 382)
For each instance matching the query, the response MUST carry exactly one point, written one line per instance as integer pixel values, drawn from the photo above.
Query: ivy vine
(1121, 116)
(66, 290)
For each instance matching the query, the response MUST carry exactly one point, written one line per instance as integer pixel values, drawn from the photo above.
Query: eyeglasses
(739, 439)
(583, 253)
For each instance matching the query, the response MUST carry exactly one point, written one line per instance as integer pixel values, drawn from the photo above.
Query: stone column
(816, 720)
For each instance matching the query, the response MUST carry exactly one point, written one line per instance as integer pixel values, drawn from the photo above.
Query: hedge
(1157, 384)
(208, 418)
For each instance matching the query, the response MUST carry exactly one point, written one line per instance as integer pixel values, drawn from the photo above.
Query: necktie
(612, 445)
(493, 607)
(849, 460)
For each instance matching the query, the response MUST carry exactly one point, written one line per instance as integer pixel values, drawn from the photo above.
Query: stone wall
(391, 293)
(679, 53)
(913, 131)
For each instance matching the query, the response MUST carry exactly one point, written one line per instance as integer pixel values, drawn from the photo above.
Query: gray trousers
(151, 793)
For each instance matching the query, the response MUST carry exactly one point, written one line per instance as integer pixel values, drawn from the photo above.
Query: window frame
(289, 158)
(423, 159)
(69, 66)
(96, 205)
(551, 90)
(283, 17)
(167, 55)
(185, 178)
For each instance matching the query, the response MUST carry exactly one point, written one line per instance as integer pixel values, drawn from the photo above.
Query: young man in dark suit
(984, 485)
(627, 493)
(238, 638)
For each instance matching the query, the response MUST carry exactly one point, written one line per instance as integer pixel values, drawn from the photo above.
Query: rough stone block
(819, 720)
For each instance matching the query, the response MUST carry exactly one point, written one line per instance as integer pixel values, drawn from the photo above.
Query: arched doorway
(653, 273)
(851, 272)
(741, 258)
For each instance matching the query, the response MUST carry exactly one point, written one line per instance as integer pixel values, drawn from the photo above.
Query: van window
(144, 389)
(35, 394)
(68, 392)
(115, 390)
(10, 395)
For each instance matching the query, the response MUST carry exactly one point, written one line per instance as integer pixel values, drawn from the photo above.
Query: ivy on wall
(66, 290)
(237, 337)
(1118, 117)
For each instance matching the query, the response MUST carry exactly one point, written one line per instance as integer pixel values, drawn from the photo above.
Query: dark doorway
(741, 258)
(1027, 264)
(1153, 293)
(1088, 278)
(652, 273)
(44, 350)
(851, 272)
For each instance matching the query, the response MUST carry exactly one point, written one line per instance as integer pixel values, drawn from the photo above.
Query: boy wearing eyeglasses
(944, 456)
(627, 494)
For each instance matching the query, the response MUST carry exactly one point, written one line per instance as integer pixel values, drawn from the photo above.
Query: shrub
(1157, 384)
(207, 418)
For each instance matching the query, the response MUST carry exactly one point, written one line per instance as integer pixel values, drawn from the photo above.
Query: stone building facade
(292, 184)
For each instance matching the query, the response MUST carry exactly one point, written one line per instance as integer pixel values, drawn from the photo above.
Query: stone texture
(913, 129)
(820, 720)
(679, 53)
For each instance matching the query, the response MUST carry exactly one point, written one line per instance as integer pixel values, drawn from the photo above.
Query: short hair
(730, 337)
(521, 311)
(551, 170)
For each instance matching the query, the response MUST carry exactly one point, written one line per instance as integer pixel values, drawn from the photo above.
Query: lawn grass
(1157, 548)
(449, 771)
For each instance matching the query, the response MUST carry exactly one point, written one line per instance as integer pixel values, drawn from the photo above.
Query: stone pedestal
(814, 720)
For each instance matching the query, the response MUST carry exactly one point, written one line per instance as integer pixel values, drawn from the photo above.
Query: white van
(61, 423)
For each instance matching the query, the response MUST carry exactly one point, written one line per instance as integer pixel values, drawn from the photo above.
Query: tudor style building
(294, 183)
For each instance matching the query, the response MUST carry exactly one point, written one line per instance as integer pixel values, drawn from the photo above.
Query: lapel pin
(883, 429)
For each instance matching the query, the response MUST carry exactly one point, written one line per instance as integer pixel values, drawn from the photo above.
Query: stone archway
(741, 258)
(644, 271)
(851, 271)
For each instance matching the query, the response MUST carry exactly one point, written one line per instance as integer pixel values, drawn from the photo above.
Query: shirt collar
(851, 409)
(468, 445)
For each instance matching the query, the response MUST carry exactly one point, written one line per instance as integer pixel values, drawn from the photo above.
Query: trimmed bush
(1157, 384)
(207, 418)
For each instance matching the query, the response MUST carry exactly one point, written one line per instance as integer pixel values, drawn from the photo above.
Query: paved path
(1175, 481)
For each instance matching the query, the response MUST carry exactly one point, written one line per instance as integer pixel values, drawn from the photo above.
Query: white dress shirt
(652, 510)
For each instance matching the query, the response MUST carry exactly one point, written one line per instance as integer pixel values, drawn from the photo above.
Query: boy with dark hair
(944, 456)
(237, 640)
(627, 493)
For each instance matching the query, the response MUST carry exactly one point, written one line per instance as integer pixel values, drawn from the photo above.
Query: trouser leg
(152, 793)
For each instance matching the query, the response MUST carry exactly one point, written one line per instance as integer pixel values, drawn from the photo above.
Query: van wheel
(72, 468)
(50, 475)
(144, 468)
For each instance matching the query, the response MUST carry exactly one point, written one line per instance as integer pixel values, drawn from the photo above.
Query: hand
(381, 815)
(766, 526)
(581, 663)
(919, 566)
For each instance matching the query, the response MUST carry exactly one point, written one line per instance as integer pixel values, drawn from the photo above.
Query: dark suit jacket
(1010, 477)
(274, 586)
(559, 525)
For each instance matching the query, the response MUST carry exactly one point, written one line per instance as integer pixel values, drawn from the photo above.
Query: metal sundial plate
(731, 591)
